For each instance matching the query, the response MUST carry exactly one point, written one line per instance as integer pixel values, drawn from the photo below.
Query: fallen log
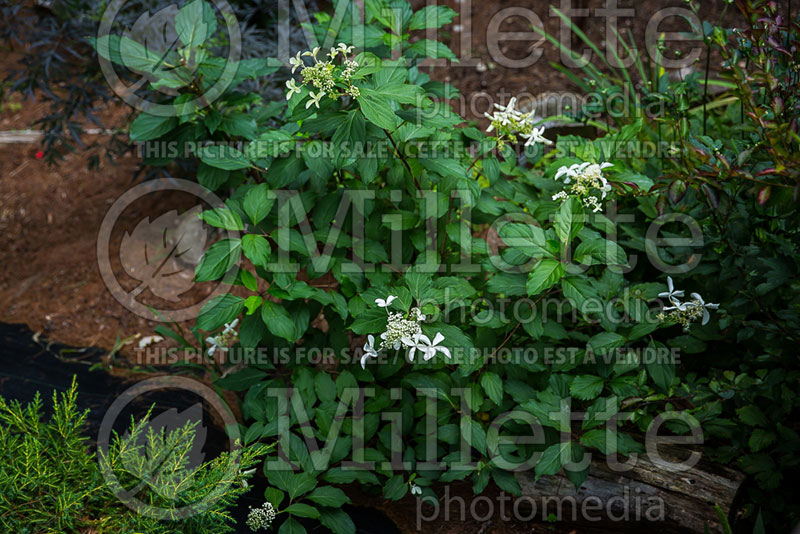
(650, 494)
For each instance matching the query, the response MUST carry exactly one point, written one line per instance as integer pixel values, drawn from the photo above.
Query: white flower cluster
(224, 339)
(261, 517)
(404, 331)
(586, 181)
(509, 122)
(684, 312)
(322, 75)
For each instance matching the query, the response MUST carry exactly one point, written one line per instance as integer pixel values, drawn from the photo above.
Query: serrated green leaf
(493, 386)
(277, 320)
(256, 248)
(218, 260)
(551, 459)
(328, 496)
(546, 273)
(222, 218)
(586, 387)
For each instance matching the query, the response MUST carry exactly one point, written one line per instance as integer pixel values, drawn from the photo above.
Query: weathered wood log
(34, 136)
(650, 494)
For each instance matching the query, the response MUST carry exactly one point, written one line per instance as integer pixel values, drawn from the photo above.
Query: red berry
(39, 154)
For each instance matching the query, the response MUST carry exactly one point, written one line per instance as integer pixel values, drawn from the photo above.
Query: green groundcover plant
(473, 286)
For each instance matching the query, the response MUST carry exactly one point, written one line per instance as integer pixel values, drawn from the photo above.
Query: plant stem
(403, 159)
(705, 88)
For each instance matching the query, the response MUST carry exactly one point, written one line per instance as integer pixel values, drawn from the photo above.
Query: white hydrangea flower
(224, 339)
(685, 313)
(344, 49)
(510, 122)
(312, 53)
(293, 88)
(296, 62)
(397, 328)
(705, 306)
(421, 342)
(261, 517)
(671, 294)
(369, 351)
(315, 98)
(323, 76)
(385, 303)
(583, 179)
(230, 328)
(404, 329)
(536, 135)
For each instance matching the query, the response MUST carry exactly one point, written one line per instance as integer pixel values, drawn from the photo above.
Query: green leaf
(378, 111)
(223, 218)
(241, 380)
(527, 238)
(277, 320)
(761, 438)
(380, 11)
(337, 520)
(248, 280)
(274, 496)
(586, 387)
(578, 289)
(546, 273)
(252, 303)
(253, 433)
(604, 342)
(193, 23)
(662, 372)
(285, 170)
(569, 220)
(577, 476)
(257, 203)
(473, 433)
(508, 284)
(223, 157)
(303, 510)
(371, 321)
(146, 127)
(550, 462)
(352, 130)
(399, 92)
(599, 251)
(218, 311)
(752, 415)
(493, 386)
(291, 526)
(491, 168)
(256, 248)
(328, 496)
(432, 49)
(395, 489)
(431, 16)
(507, 482)
(443, 166)
(325, 387)
(301, 484)
(218, 260)
(210, 177)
